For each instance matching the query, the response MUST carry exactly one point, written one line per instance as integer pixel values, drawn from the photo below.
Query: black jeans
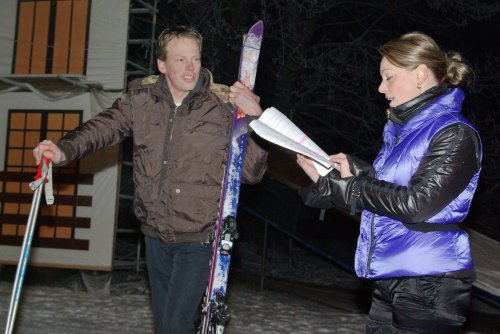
(178, 277)
(427, 304)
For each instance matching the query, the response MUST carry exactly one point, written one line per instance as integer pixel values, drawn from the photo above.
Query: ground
(306, 295)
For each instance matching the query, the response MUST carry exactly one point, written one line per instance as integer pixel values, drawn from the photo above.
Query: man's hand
(48, 150)
(245, 99)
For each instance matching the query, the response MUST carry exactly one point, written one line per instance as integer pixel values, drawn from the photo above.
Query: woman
(414, 196)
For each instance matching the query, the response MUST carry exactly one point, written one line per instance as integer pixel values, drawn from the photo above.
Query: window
(51, 37)
(56, 223)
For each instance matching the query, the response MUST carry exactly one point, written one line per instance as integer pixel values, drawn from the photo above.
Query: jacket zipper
(372, 241)
(171, 127)
(168, 139)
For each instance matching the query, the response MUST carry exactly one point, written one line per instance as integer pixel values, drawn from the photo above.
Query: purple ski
(214, 315)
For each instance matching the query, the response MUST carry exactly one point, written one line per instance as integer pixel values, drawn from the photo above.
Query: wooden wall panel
(78, 37)
(40, 37)
(24, 37)
(61, 37)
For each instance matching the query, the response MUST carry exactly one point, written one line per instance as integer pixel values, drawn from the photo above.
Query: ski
(214, 308)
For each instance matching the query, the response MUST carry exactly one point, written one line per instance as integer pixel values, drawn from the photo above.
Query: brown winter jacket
(179, 153)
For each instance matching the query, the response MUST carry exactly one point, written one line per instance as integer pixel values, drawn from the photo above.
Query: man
(180, 124)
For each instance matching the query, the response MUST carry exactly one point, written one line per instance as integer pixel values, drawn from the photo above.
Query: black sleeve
(319, 194)
(322, 194)
(445, 171)
(360, 167)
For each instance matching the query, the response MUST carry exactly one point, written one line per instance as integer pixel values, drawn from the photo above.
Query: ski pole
(42, 178)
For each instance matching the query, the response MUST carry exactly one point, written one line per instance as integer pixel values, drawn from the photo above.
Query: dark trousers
(428, 304)
(178, 276)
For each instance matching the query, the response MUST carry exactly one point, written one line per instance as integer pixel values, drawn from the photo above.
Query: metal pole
(23, 259)
(43, 179)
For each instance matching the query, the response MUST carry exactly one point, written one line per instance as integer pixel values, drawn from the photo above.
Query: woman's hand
(308, 167)
(341, 164)
(339, 160)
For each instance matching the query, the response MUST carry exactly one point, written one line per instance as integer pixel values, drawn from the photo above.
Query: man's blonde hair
(177, 32)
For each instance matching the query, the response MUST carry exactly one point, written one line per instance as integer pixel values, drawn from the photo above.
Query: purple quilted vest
(386, 248)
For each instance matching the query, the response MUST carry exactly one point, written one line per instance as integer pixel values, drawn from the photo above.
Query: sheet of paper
(275, 127)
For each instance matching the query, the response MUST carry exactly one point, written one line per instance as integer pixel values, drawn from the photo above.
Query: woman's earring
(419, 85)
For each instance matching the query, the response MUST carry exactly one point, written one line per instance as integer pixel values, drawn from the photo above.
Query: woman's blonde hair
(415, 48)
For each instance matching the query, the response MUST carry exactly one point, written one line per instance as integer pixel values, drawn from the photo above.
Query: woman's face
(399, 85)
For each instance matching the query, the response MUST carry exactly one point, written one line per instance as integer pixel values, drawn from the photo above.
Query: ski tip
(257, 28)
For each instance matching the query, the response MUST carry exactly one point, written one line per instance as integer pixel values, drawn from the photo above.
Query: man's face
(399, 85)
(181, 67)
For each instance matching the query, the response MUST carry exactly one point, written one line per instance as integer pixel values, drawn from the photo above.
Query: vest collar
(404, 112)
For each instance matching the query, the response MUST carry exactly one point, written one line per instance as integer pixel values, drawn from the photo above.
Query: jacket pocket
(206, 127)
(201, 152)
(196, 205)
(148, 130)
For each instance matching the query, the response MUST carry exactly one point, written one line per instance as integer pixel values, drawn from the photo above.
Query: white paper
(275, 127)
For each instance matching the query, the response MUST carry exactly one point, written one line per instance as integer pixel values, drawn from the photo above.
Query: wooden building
(61, 62)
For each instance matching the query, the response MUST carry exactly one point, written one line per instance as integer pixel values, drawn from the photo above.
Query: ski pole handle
(44, 177)
(39, 172)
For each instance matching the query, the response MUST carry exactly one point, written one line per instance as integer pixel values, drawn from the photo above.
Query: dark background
(319, 65)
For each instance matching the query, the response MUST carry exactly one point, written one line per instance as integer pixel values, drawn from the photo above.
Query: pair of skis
(43, 180)
(214, 311)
